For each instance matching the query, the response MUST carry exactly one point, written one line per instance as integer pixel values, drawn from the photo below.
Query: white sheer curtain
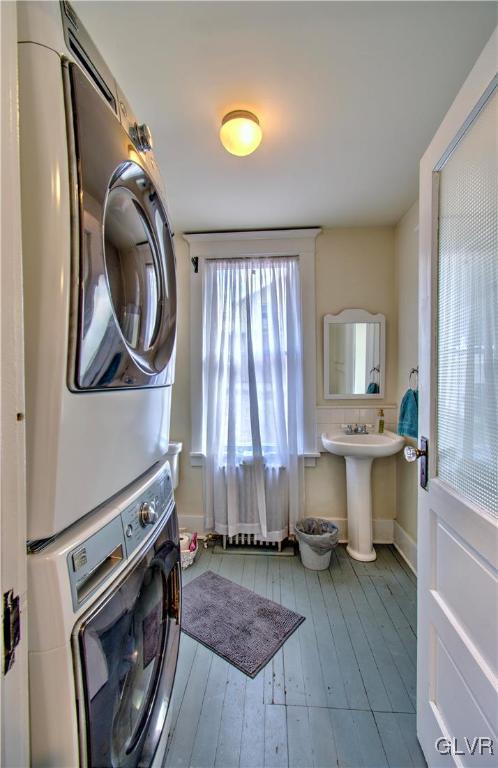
(252, 396)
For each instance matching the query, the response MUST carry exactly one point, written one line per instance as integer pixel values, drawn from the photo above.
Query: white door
(458, 510)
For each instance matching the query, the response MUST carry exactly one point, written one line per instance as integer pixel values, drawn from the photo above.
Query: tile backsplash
(331, 416)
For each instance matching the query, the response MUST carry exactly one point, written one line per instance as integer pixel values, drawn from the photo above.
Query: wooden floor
(341, 691)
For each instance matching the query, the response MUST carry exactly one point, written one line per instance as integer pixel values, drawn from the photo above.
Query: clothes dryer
(99, 276)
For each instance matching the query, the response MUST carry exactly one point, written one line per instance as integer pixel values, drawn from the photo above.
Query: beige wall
(406, 253)
(326, 488)
(189, 491)
(354, 268)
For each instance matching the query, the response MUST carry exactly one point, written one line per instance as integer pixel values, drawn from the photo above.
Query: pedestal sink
(359, 450)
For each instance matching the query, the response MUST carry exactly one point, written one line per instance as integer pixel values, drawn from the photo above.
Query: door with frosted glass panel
(457, 707)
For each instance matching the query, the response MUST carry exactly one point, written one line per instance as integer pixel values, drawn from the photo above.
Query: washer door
(128, 651)
(124, 287)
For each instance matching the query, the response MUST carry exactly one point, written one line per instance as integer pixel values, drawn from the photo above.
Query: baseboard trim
(406, 546)
(382, 529)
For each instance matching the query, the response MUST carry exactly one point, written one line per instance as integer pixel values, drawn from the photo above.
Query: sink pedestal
(359, 500)
(359, 450)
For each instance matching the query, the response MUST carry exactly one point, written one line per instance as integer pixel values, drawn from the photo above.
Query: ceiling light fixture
(240, 132)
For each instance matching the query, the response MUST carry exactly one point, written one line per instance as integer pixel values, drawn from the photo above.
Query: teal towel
(373, 388)
(408, 414)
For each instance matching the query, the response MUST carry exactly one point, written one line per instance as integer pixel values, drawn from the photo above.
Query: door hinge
(11, 628)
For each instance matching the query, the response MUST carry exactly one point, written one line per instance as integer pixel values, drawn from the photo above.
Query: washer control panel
(93, 560)
(140, 517)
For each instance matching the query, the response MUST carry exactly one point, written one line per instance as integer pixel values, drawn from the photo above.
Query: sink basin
(359, 451)
(367, 446)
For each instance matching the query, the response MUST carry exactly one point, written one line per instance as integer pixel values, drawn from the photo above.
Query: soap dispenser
(380, 421)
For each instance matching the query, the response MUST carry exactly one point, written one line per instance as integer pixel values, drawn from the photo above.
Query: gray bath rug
(234, 622)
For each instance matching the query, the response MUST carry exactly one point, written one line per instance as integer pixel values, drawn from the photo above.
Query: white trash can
(317, 538)
(311, 560)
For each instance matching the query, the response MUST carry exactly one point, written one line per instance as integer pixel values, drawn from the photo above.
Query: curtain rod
(252, 258)
(309, 228)
(195, 259)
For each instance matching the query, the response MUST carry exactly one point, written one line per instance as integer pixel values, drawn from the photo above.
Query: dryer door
(128, 649)
(124, 287)
(139, 265)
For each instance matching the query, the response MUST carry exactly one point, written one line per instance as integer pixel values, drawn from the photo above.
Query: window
(252, 367)
(299, 244)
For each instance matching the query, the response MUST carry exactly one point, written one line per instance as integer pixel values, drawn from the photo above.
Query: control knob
(147, 514)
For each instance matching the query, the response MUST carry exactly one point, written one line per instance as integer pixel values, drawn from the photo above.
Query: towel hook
(375, 368)
(413, 372)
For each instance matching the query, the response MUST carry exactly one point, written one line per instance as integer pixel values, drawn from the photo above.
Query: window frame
(299, 243)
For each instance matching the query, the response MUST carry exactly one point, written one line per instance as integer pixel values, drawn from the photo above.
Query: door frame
(14, 710)
(466, 106)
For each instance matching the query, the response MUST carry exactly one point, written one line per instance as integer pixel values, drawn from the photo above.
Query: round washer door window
(140, 267)
(123, 652)
(142, 661)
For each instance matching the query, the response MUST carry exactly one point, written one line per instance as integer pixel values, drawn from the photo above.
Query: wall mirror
(353, 355)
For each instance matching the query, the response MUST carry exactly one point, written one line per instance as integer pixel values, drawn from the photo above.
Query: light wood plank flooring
(341, 691)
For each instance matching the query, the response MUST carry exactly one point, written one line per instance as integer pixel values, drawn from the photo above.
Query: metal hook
(413, 372)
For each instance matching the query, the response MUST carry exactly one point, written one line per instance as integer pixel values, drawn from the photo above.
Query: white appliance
(99, 274)
(104, 629)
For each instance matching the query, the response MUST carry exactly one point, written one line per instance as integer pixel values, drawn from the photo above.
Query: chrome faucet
(356, 429)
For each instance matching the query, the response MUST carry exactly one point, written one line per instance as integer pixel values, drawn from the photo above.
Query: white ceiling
(348, 94)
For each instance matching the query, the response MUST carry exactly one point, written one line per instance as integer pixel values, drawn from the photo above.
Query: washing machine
(99, 276)
(104, 629)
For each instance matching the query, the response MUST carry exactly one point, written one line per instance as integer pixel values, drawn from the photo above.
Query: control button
(129, 530)
(148, 514)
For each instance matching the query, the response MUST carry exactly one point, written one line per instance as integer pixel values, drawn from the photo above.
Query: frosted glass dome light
(240, 132)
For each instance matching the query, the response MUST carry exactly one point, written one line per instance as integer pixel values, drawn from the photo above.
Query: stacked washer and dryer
(100, 320)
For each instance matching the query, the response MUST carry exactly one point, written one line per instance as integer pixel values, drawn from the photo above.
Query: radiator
(250, 539)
